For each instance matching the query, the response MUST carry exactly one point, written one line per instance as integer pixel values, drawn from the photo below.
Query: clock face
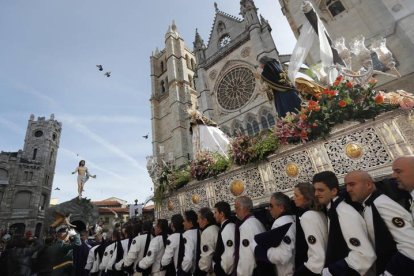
(224, 41)
(236, 88)
(38, 133)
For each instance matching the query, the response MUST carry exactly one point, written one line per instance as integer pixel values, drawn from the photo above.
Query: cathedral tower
(173, 92)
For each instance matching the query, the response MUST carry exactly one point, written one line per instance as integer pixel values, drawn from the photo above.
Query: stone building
(391, 19)
(26, 177)
(217, 78)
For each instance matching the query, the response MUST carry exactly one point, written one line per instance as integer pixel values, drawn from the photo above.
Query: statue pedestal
(82, 211)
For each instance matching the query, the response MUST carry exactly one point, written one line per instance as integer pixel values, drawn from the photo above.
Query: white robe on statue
(209, 138)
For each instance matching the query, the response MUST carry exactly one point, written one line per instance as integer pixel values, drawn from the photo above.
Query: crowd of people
(364, 229)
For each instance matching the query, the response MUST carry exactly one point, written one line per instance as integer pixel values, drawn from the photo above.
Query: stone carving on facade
(375, 154)
(213, 75)
(245, 52)
(291, 169)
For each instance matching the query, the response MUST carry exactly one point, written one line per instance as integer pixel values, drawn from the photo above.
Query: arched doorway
(80, 225)
(17, 229)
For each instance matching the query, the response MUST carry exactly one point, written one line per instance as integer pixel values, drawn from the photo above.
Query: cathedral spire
(172, 31)
(249, 12)
(199, 47)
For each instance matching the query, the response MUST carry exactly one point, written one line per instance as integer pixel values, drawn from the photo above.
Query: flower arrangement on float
(342, 101)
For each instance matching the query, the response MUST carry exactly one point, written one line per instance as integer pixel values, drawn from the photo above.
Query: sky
(48, 53)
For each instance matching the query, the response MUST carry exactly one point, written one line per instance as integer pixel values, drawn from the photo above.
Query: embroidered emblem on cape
(399, 222)
(134, 242)
(106, 254)
(311, 239)
(354, 242)
(149, 253)
(184, 240)
(245, 242)
(168, 242)
(205, 248)
(111, 252)
(287, 240)
(229, 243)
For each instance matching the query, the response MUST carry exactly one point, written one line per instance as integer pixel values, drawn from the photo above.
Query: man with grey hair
(277, 246)
(390, 226)
(246, 229)
(403, 172)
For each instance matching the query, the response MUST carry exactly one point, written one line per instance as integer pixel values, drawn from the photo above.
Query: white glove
(71, 232)
(386, 273)
(325, 272)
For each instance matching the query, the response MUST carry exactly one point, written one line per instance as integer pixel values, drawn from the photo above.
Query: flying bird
(57, 189)
(145, 136)
(100, 67)
(107, 74)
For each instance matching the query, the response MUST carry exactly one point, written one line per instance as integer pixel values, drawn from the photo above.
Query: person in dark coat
(80, 255)
(285, 96)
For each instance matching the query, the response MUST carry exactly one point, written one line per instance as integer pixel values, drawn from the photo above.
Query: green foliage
(265, 144)
(221, 164)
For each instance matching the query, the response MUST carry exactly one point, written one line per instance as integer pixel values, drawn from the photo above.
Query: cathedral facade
(26, 177)
(218, 78)
(373, 19)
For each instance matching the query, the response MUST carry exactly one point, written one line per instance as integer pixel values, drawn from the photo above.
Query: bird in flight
(100, 67)
(107, 74)
(57, 189)
(145, 136)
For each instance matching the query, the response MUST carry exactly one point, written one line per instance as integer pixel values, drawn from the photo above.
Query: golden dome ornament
(195, 199)
(170, 205)
(353, 150)
(237, 187)
(292, 170)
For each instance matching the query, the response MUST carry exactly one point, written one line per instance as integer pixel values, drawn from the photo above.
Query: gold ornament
(237, 187)
(292, 170)
(170, 205)
(353, 150)
(195, 199)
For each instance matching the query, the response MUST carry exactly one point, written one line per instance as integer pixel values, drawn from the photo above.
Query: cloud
(22, 87)
(111, 147)
(77, 157)
(103, 119)
(12, 126)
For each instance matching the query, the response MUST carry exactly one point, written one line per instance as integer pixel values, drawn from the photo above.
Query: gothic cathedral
(217, 78)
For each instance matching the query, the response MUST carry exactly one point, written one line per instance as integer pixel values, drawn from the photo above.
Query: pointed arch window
(34, 154)
(192, 64)
(162, 86)
(166, 86)
(238, 129)
(252, 127)
(267, 120)
(162, 66)
(335, 7)
(187, 61)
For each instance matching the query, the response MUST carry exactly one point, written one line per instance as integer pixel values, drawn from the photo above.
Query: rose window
(236, 88)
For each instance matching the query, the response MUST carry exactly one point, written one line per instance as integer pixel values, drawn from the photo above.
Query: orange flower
(349, 84)
(379, 99)
(339, 78)
(317, 108)
(336, 83)
(303, 116)
(342, 103)
(372, 81)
